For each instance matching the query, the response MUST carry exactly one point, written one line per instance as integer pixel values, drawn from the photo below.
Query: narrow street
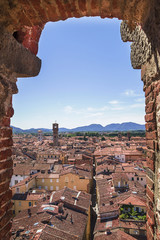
(94, 201)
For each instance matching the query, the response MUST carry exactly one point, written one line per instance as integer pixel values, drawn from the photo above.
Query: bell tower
(55, 134)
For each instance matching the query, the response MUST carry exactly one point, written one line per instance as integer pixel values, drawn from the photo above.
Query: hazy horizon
(76, 126)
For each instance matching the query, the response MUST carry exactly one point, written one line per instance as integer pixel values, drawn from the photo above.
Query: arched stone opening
(21, 24)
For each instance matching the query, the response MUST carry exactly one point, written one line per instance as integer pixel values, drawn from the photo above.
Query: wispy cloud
(114, 102)
(137, 105)
(139, 100)
(68, 109)
(117, 108)
(131, 93)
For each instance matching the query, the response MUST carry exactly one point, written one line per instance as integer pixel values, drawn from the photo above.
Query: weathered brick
(6, 164)
(5, 154)
(5, 197)
(61, 9)
(151, 154)
(151, 144)
(5, 133)
(150, 107)
(4, 231)
(151, 135)
(158, 88)
(150, 126)
(10, 112)
(148, 89)
(150, 193)
(149, 98)
(150, 183)
(151, 164)
(6, 218)
(150, 117)
(150, 233)
(6, 143)
(5, 208)
(6, 175)
(4, 186)
(5, 122)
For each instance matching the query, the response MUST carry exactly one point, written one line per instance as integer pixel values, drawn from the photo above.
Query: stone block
(16, 58)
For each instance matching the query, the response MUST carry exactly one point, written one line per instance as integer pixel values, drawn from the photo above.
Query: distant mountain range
(127, 126)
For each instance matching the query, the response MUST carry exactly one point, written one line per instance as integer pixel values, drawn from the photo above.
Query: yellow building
(70, 178)
(48, 182)
(23, 195)
(25, 185)
(75, 181)
(23, 201)
(54, 182)
(43, 155)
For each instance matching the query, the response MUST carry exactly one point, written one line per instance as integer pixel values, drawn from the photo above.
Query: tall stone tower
(129, 136)
(119, 136)
(55, 134)
(40, 135)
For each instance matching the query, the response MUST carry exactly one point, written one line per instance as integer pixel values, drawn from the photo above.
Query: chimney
(60, 208)
(71, 219)
(29, 212)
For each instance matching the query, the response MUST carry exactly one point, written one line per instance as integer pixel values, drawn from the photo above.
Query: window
(137, 178)
(13, 211)
(136, 232)
(19, 203)
(16, 181)
(132, 178)
(42, 179)
(57, 180)
(57, 188)
(51, 187)
(17, 190)
(30, 204)
(66, 179)
(39, 187)
(46, 187)
(141, 179)
(50, 180)
(74, 187)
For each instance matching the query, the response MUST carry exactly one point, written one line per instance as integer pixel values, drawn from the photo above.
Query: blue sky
(86, 77)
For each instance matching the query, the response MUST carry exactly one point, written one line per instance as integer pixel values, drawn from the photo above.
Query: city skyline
(86, 78)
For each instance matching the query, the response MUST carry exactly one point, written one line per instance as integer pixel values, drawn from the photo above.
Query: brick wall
(5, 172)
(40, 12)
(152, 99)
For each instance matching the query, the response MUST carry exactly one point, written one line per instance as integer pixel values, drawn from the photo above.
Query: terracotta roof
(78, 199)
(133, 200)
(46, 224)
(116, 235)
